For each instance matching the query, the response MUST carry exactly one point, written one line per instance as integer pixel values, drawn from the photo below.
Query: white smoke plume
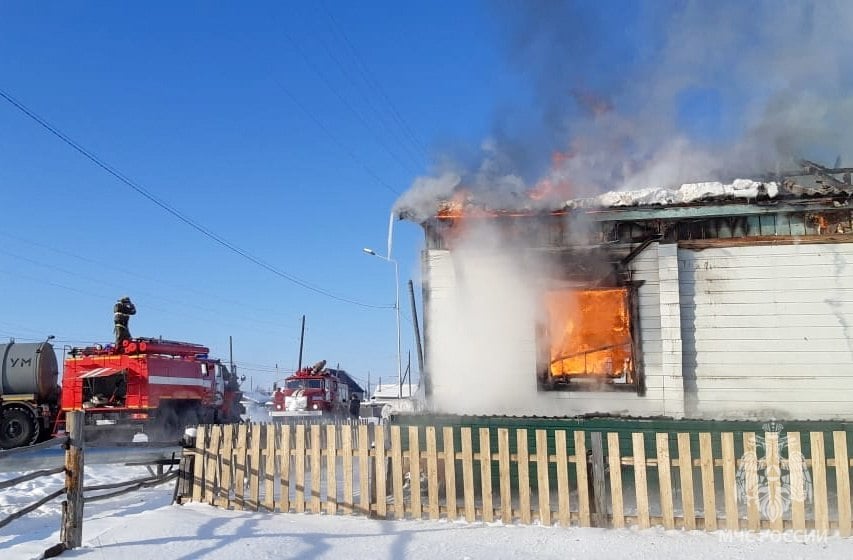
(656, 94)
(491, 293)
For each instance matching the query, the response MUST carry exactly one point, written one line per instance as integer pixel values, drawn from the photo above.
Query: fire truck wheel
(18, 427)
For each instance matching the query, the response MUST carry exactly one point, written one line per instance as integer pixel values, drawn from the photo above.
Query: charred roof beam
(640, 248)
(826, 174)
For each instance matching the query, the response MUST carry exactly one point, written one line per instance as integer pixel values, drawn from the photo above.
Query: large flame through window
(589, 333)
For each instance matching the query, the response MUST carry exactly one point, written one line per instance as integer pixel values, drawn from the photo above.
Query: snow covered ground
(144, 526)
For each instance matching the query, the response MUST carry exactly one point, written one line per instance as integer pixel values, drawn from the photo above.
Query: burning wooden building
(710, 301)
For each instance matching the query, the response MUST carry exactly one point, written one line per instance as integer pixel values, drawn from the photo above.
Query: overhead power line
(369, 101)
(337, 141)
(176, 213)
(156, 296)
(344, 101)
(371, 81)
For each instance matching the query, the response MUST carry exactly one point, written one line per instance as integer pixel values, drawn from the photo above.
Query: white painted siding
(488, 365)
(768, 330)
(726, 333)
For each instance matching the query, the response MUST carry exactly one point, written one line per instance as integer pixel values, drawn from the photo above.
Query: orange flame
(552, 187)
(590, 332)
(461, 205)
(455, 207)
(822, 224)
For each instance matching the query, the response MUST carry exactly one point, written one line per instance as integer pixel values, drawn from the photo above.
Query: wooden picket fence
(736, 482)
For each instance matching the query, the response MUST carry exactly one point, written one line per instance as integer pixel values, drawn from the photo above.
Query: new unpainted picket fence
(732, 481)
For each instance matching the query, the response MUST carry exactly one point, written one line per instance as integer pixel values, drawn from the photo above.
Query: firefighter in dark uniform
(122, 311)
(354, 405)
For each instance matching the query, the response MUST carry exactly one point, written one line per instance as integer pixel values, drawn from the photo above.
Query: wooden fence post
(542, 465)
(665, 480)
(614, 461)
(706, 464)
(563, 506)
(522, 454)
(685, 473)
(583, 484)
(842, 477)
(640, 483)
(486, 475)
(797, 467)
(449, 472)
(597, 484)
(503, 471)
(821, 496)
(72, 513)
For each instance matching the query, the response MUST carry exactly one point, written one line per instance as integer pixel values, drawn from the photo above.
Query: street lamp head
(396, 310)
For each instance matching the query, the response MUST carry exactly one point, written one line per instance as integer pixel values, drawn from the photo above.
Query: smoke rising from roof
(656, 95)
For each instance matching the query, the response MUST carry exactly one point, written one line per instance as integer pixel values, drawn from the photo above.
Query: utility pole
(301, 342)
(417, 328)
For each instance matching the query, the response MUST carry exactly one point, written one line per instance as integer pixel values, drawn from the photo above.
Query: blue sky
(215, 110)
(289, 129)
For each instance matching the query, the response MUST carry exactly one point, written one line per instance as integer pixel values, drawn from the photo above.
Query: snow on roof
(685, 194)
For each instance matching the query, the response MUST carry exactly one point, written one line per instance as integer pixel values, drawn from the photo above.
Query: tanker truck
(29, 393)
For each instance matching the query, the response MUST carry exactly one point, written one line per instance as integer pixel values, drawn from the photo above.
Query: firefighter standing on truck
(122, 311)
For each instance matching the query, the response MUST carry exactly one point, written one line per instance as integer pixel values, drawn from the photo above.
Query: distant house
(712, 300)
(387, 394)
(354, 387)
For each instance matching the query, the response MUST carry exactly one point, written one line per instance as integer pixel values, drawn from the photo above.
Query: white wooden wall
(481, 345)
(768, 331)
(740, 332)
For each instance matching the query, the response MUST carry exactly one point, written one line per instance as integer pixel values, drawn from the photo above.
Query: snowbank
(143, 526)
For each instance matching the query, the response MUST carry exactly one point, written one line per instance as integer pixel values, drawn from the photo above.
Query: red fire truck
(312, 391)
(162, 384)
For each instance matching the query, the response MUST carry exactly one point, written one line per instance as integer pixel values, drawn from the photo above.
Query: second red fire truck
(316, 391)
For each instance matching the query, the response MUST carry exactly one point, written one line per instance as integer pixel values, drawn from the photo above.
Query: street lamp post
(397, 314)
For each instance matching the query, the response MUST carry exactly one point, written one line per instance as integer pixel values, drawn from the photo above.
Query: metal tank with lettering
(29, 392)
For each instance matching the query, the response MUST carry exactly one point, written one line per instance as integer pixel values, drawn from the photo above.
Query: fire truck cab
(311, 391)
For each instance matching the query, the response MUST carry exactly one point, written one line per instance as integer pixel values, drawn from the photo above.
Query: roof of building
(811, 183)
(814, 185)
(353, 385)
(390, 391)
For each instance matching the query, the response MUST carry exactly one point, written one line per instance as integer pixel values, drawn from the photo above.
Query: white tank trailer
(29, 393)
